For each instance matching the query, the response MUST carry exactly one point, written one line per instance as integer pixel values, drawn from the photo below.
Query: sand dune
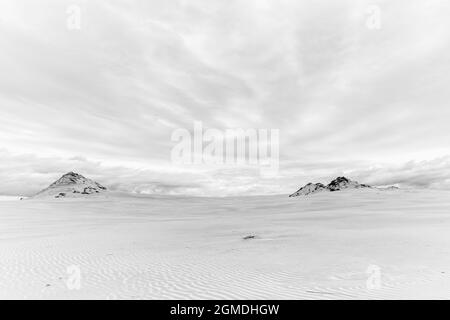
(318, 247)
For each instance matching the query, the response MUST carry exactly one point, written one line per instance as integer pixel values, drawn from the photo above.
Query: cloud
(26, 174)
(424, 174)
(345, 97)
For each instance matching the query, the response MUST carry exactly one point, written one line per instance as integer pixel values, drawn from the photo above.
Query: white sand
(316, 247)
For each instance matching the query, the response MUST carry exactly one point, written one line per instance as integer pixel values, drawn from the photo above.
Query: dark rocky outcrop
(343, 183)
(337, 184)
(72, 185)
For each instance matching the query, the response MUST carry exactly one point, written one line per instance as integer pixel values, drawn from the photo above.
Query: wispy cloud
(105, 99)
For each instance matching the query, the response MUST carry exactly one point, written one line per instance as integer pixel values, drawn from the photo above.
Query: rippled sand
(345, 245)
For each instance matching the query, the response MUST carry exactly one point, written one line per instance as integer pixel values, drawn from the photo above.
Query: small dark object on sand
(249, 237)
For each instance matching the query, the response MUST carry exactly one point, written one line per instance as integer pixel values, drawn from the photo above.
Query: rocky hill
(337, 184)
(71, 185)
(309, 188)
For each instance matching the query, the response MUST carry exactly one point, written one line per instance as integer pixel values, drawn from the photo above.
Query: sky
(355, 88)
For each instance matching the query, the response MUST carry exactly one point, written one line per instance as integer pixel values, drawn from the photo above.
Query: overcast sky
(103, 100)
